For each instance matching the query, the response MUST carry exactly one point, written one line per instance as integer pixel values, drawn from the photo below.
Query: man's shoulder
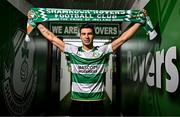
(103, 46)
(71, 48)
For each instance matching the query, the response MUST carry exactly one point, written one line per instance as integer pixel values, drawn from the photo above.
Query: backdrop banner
(80, 15)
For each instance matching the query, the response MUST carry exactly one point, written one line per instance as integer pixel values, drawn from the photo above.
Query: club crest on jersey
(96, 54)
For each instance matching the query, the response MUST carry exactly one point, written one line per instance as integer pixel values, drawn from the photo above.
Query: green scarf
(80, 15)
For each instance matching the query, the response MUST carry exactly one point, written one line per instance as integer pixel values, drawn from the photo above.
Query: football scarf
(52, 14)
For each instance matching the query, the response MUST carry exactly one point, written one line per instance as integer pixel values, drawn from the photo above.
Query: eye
(83, 33)
(90, 33)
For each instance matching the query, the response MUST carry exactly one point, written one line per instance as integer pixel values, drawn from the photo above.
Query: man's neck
(87, 48)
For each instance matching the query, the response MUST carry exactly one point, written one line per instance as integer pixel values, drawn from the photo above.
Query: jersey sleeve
(69, 49)
(106, 49)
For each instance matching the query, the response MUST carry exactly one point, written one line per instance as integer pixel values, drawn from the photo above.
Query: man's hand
(29, 15)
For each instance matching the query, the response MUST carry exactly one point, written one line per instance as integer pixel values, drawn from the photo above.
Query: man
(88, 67)
(88, 64)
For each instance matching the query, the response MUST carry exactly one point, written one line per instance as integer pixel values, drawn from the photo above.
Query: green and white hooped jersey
(88, 71)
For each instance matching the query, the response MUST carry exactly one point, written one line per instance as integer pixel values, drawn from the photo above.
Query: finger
(29, 15)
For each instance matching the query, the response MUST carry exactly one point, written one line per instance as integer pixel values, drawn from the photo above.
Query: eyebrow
(87, 33)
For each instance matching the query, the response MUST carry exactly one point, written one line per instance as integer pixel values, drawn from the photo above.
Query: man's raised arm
(51, 37)
(125, 36)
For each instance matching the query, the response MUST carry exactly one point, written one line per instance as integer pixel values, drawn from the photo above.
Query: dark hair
(87, 25)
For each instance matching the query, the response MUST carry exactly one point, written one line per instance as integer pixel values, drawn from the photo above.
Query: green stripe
(87, 96)
(88, 78)
(87, 61)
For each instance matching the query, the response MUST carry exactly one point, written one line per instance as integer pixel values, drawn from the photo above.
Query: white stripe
(88, 69)
(101, 50)
(89, 54)
(105, 49)
(70, 48)
(87, 88)
(94, 41)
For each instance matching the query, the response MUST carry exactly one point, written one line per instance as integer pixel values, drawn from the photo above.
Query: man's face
(87, 36)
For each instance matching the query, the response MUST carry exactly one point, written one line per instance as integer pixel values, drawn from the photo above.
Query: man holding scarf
(88, 64)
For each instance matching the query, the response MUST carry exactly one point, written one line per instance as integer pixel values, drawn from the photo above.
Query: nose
(86, 36)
